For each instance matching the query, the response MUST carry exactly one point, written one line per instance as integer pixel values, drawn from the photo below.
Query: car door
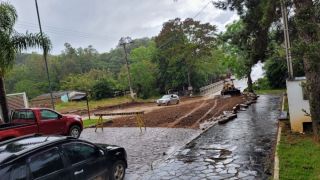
(173, 99)
(48, 165)
(86, 160)
(50, 122)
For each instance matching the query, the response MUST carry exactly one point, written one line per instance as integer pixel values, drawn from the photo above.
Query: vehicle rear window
(77, 152)
(23, 115)
(45, 163)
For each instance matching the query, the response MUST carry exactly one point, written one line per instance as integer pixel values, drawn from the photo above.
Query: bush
(103, 89)
(261, 84)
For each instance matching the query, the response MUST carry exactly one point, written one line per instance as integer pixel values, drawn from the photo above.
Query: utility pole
(287, 39)
(123, 42)
(45, 55)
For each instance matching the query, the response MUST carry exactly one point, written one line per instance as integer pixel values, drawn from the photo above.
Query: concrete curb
(276, 158)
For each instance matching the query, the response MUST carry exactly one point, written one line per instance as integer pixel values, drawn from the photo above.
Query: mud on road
(184, 115)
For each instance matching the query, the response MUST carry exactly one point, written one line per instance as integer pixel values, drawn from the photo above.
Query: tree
(143, 70)
(235, 57)
(257, 17)
(181, 44)
(307, 18)
(12, 42)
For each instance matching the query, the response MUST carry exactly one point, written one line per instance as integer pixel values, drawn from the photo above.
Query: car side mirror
(60, 116)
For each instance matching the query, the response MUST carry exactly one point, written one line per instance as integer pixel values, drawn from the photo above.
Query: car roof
(15, 147)
(35, 108)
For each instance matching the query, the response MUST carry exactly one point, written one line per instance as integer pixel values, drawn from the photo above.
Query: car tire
(178, 102)
(168, 103)
(118, 170)
(75, 131)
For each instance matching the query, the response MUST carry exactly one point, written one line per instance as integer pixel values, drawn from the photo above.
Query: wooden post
(99, 123)
(88, 109)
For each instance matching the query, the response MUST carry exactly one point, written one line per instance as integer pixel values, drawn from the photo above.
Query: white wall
(296, 104)
(1, 117)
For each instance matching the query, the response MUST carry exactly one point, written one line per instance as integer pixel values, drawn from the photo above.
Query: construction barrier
(139, 118)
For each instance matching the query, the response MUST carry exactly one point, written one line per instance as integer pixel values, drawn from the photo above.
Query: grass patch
(93, 104)
(270, 91)
(87, 123)
(299, 156)
(91, 122)
(286, 104)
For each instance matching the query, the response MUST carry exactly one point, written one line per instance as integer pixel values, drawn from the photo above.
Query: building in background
(16, 101)
(44, 100)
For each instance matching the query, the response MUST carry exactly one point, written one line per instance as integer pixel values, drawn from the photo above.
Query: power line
(63, 33)
(24, 23)
(202, 9)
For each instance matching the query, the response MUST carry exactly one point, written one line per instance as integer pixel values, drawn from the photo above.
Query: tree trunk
(3, 101)
(249, 82)
(309, 38)
(189, 83)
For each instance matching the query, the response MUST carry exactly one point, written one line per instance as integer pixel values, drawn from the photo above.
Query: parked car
(40, 120)
(168, 99)
(60, 158)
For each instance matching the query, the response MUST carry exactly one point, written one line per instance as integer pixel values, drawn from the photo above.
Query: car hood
(71, 115)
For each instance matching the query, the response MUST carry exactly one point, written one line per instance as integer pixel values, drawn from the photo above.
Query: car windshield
(166, 97)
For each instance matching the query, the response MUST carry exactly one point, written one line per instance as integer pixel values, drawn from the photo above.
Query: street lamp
(123, 42)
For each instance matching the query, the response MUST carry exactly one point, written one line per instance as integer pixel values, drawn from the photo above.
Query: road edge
(276, 167)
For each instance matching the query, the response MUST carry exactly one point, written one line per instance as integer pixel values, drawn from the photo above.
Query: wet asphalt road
(239, 149)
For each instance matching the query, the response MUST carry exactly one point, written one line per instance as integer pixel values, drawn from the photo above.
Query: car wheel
(75, 131)
(118, 171)
(168, 103)
(178, 102)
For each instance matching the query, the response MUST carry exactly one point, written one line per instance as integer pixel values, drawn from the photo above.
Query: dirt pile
(184, 115)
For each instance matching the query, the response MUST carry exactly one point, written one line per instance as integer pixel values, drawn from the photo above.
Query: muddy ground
(187, 114)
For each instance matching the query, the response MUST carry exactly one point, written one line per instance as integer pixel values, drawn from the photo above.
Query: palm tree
(11, 43)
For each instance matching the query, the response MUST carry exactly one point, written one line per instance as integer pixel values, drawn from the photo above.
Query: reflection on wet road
(240, 149)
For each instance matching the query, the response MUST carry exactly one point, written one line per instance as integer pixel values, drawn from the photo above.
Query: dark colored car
(40, 120)
(60, 158)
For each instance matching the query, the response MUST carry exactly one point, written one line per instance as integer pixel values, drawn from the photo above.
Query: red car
(41, 121)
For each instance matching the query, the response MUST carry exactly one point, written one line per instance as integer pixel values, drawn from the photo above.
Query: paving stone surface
(144, 149)
(239, 149)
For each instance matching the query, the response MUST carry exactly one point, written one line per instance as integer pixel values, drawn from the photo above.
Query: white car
(168, 99)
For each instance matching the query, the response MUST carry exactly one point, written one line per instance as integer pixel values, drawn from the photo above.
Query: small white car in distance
(168, 99)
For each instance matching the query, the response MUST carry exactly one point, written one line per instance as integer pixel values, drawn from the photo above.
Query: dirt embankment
(184, 115)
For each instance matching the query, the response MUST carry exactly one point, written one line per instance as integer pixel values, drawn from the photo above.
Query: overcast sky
(101, 23)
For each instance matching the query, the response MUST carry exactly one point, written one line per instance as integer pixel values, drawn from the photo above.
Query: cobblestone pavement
(143, 149)
(240, 149)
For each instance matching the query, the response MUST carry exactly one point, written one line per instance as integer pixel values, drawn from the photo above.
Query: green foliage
(12, 42)
(103, 88)
(181, 48)
(235, 59)
(261, 84)
(276, 72)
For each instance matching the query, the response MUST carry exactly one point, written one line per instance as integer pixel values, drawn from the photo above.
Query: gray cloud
(101, 23)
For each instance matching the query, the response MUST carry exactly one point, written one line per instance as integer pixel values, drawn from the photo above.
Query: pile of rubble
(230, 115)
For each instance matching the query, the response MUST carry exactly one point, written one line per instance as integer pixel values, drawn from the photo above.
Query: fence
(212, 88)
